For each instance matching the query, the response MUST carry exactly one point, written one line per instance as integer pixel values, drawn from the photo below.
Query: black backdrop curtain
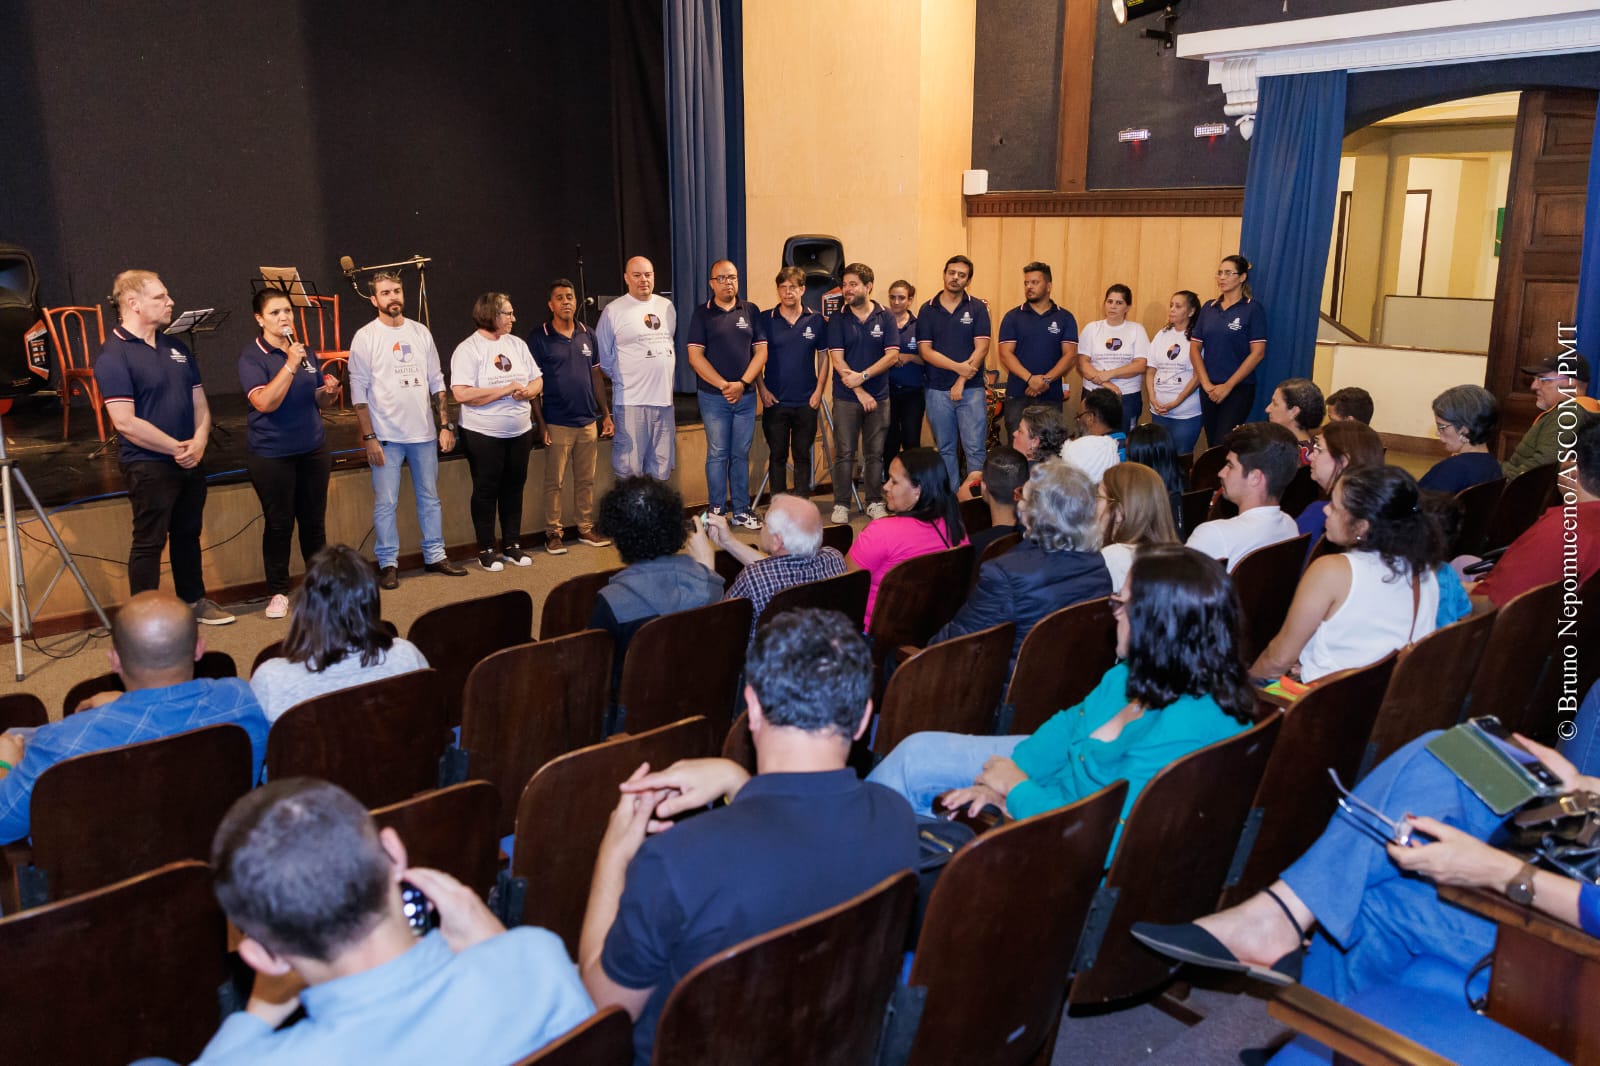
(639, 139)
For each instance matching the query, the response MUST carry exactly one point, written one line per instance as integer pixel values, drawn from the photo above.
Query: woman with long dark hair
(1381, 594)
(1152, 445)
(336, 636)
(1169, 376)
(288, 459)
(1227, 343)
(924, 517)
(1180, 684)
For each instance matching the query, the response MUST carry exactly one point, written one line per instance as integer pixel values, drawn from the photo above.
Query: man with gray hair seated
(790, 553)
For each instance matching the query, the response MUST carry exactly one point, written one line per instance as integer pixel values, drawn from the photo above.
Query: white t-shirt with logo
(637, 351)
(1169, 358)
(395, 372)
(1109, 347)
(492, 364)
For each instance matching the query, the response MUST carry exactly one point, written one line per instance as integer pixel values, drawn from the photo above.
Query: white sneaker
(841, 515)
(278, 606)
(876, 511)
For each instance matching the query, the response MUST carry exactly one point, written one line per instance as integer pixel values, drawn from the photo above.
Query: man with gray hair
(791, 552)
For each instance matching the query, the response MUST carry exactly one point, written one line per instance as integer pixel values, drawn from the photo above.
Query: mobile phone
(421, 914)
(1491, 726)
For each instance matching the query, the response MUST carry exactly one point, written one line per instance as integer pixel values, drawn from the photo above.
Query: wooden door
(1538, 281)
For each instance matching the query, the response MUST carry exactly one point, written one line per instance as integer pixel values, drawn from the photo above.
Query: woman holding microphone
(288, 459)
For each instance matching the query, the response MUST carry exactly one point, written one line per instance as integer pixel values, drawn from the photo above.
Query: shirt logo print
(741, 324)
(1236, 325)
(586, 348)
(1053, 328)
(1114, 344)
(178, 357)
(808, 334)
(402, 351)
(1174, 351)
(652, 322)
(877, 330)
(501, 363)
(966, 318)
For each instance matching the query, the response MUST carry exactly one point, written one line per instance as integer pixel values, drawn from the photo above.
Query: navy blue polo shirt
(788, 846)
(1225, 337)
(567, 364)
(953, 334)
(729, 338)
(1038, 338)
(296, 426)
(791, 373)
(908, 376)
(160, 381)
(863, 344)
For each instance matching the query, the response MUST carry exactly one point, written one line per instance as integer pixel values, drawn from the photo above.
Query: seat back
(456, 637)
(845, 593)
(1478, 504)
(1300, 493)
(684, 664)
(1020, 892)
(124, 972)
(1322, 546)
(811, 992)
(739, 746)
(953, 686)
(563, 813)
(1195, 506)
(917, 597)
(1429, 686)
(1207, 470)
(568, 606)
(213, 665)
(380, 741)
(1172, 860)
(604, 1039)
(1324, 729)
(526, 705)
(1266, 580)
(69, 335)
(975, 517)
(1524, 499)
(993, 550)
(1514, 659)
(106, 815)
(1062, 659)
(21, 710)
(453, 829)
(839, 537)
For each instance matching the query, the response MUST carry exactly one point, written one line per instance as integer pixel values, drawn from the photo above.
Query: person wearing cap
(1558, 380)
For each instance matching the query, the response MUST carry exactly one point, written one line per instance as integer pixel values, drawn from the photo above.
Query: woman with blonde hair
(1132, 508)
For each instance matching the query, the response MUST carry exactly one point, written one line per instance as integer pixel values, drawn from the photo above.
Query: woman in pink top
(924, 517)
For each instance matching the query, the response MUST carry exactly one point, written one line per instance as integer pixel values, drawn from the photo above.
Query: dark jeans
(169, 506)
(1132, 406)
(791, 432)
(499, 468)
(1220, 418)
(906, 409)
(292, 489)
(852, 422)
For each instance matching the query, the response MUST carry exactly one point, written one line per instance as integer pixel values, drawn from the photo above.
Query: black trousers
(293, 490)
(169, 506)
(499, 468)
(1218, 419)
(791, 432)
(906, 410)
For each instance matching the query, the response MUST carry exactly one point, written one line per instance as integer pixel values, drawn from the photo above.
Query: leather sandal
(1192, 944)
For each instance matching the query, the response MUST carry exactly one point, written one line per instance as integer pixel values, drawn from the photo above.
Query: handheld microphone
(305, 360)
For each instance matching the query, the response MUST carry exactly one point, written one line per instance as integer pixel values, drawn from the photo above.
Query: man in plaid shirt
(791, 552)
(155, 642)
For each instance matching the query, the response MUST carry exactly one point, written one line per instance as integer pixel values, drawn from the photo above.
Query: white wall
(1403, 383)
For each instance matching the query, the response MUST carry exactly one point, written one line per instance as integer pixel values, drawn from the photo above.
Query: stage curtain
(705, 158)
(1290, 188)
(1589, 266)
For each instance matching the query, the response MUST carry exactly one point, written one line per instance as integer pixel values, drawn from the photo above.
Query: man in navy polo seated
(154, 644)
(728, 348)
(803, 835)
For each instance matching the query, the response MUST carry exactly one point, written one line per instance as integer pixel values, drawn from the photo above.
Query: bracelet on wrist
(7, 767)
(369, 436)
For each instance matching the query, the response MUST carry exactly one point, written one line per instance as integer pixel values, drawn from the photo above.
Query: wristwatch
(449, 427)
(369, 436)
(1520, 888)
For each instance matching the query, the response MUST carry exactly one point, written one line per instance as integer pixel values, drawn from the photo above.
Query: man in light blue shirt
(315, 887)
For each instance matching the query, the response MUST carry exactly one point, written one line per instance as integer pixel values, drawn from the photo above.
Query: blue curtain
(705, 154)
(1290, 187)
(1589, 267)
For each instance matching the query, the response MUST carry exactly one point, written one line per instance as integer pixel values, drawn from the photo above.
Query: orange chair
(335, 354)
(69, 336)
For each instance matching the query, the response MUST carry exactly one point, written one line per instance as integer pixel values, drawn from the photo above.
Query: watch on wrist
(1520, 888)
(448, 427)
(369, 436)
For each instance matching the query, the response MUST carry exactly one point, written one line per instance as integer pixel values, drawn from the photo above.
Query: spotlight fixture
(1124, 10)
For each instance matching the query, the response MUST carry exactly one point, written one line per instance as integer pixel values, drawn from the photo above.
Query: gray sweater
(280, 684)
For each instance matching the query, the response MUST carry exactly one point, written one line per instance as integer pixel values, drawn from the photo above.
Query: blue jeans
(924, 766)
(968, 419)
(1583, 746)
(424, 459)
(1185, 431)
(729, 429)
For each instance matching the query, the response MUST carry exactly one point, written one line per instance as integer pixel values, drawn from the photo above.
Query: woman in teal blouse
(1179, 686)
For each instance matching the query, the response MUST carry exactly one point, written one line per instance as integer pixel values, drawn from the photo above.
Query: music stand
(194, 323)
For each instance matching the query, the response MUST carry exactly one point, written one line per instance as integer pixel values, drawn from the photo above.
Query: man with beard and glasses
(394, 369)
(863, 343)
(637, 353)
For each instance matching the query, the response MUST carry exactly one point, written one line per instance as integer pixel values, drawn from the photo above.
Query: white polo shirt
(1234, 538)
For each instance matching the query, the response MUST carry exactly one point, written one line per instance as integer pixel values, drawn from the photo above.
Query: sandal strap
(1287, 913)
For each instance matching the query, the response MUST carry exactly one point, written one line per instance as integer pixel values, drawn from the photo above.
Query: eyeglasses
(507, 314)
(1227, 273)
(721, 278)
(1548, 379)
(1317, 447)
(1367, 818)
(1440, 427)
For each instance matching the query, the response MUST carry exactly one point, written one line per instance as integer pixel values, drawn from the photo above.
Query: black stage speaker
(822, 258)
(24, 358)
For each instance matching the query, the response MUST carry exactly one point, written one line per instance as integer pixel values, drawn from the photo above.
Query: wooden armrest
(1352, 1035)
(1500, 910)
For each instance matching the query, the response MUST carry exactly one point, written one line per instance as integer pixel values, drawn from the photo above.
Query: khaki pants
(584, 448)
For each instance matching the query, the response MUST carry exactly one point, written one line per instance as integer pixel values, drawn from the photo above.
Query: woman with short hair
(1464, 417)
(1112, 354)
(1132, 511)
(337, 638)
(1297, 406)
(1040, 432)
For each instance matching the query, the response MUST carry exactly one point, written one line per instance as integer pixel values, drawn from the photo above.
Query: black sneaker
(489, 559)
(513, 554)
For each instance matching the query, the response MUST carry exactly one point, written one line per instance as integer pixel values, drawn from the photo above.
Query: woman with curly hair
(1040, 432)
(1179, 685)
(1354, 608)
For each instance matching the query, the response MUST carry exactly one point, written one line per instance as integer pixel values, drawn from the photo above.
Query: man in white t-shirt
(636, 352)
(1262, 460)
(394, 370)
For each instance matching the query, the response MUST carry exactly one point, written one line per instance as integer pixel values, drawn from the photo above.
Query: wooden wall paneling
(1077, 86)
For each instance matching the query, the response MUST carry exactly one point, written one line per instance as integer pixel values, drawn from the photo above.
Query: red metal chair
(335, 354)
(69, 336)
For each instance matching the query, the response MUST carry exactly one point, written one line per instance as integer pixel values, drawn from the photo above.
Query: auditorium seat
(993, 550)
(568, 606)
(455, 637)
(685, 663)
(845, 593)
(1478, 504)
(1265, 580)
(605, 1039)
(1518, 651)
(728, 568)
(1196, 504)
(1525, 498)
(951, 687)
(21, 710)
(1300, 493)
(1062, 659)
(975, 516)
(915, 599)
(1429, 687)
(839, 537)
(214, 665)
(1207, 470)
(453, 829)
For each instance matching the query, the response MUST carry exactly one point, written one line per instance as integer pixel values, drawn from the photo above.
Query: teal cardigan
(1064, 763)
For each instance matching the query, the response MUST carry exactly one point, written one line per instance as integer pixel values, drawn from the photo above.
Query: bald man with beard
(635, 336)
(155, 642)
